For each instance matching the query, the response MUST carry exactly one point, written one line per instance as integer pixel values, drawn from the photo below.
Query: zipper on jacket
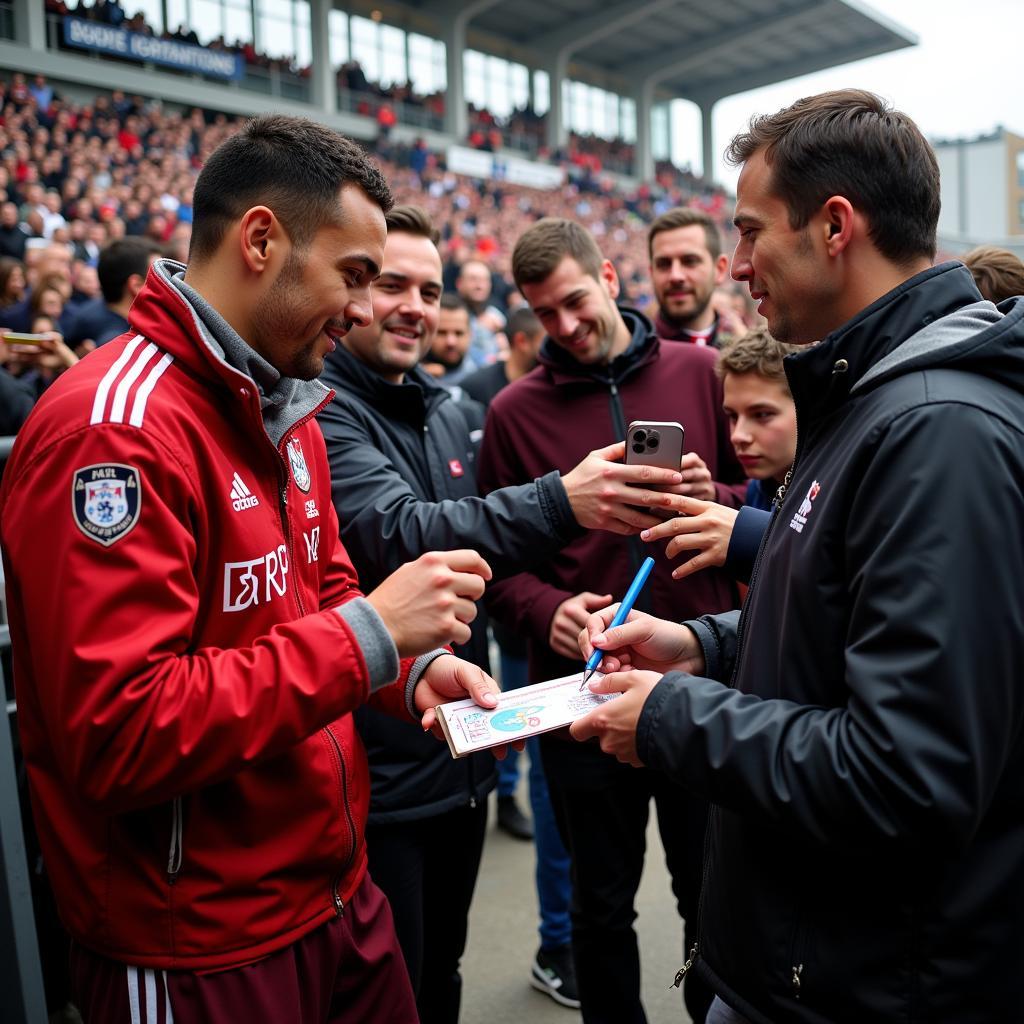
(633, 544)
(780, 496)
(339, 903)
(776, 507)
(286, 529)
(798, 970)
(682, 972)
(176, 851)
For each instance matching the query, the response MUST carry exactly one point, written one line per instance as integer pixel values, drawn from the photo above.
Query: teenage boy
(762, 421)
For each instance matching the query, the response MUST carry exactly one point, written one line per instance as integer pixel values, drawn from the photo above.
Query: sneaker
(554, 974)
(512, 820)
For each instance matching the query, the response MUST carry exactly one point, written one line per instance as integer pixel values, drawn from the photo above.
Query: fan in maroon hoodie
(601, 367)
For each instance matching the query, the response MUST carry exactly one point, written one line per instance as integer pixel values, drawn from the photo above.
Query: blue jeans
(554, 886)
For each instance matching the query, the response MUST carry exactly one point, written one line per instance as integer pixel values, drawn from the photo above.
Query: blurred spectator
(122, 272)
(12, 235)
(41, 92)
(998, 273)
(12, 281)
(486, 321)
(448, 359)
(47, 300)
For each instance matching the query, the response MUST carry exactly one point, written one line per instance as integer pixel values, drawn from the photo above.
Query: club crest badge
(300, 473)
(106, 500)
(799, 520)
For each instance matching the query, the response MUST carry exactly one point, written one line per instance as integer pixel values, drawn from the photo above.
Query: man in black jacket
(865, 859)
(402, 468)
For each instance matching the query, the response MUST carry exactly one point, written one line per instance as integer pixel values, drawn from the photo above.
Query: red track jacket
(183, 684)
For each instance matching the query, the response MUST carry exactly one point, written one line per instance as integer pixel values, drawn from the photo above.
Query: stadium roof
(700, 50)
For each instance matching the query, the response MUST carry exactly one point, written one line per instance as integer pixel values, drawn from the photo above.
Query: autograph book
(528, 711)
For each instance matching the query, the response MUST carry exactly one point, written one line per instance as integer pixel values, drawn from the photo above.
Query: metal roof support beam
(30, 23)
(324, 79)
(707, 141)
(794, 69)
(680, 60)
(579, 33)
(560, 45)
(643, 158)
(455, 16)
(557, 134)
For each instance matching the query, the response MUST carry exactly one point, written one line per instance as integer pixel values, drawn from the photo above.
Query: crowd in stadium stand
(74, 178)
(523, 129)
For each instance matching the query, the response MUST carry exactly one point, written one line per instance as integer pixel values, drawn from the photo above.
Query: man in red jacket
(189, 638)
(601, 367)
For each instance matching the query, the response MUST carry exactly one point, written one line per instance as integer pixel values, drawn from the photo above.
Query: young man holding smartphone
(600, 368)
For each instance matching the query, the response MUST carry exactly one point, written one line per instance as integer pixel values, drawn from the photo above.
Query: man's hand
(701, 526)
(614, 722)
(697, 482)
(641, 642)
(603, 493)
(570, 616)
(430, 602)
(449, 678)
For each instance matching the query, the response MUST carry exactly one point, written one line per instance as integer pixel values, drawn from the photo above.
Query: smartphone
(652, 443)
(16, 338)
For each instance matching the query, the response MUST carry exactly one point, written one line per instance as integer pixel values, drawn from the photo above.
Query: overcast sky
(962, 79)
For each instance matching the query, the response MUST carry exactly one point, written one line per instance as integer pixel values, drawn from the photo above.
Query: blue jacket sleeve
(746, 537)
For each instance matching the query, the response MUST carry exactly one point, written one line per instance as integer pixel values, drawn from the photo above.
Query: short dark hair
(119, 261)
(453, 300)
(998, 273)
(522, 320)
(851, 143)
(544, 245)
(412, 220)
(292, 165)
(684, 217)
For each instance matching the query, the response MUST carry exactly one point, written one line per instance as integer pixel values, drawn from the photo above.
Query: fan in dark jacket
(403, 477)
(860, 731)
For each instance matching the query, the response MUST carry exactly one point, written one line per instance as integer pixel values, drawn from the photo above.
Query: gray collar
(934, 343)
(283, 400)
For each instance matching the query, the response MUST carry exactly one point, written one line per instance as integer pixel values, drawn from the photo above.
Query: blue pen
(620, 616)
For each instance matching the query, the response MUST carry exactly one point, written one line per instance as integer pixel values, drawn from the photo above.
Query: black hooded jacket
(865, 860)
(403, 481)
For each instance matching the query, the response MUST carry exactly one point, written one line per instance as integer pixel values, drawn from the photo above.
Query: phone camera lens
(639, 449)
(639, 436)
(653, 439)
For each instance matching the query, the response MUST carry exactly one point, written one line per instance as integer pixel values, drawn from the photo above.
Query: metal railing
(367, 104)
(21, 975)
(22, 995)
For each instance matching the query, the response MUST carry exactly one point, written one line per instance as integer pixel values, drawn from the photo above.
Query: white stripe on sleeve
(121, 394)
(100, 402)
(146, 389)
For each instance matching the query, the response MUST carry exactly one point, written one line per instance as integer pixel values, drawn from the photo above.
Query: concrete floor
(503, 939)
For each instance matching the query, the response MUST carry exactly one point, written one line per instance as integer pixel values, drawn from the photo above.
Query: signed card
(528, 711)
